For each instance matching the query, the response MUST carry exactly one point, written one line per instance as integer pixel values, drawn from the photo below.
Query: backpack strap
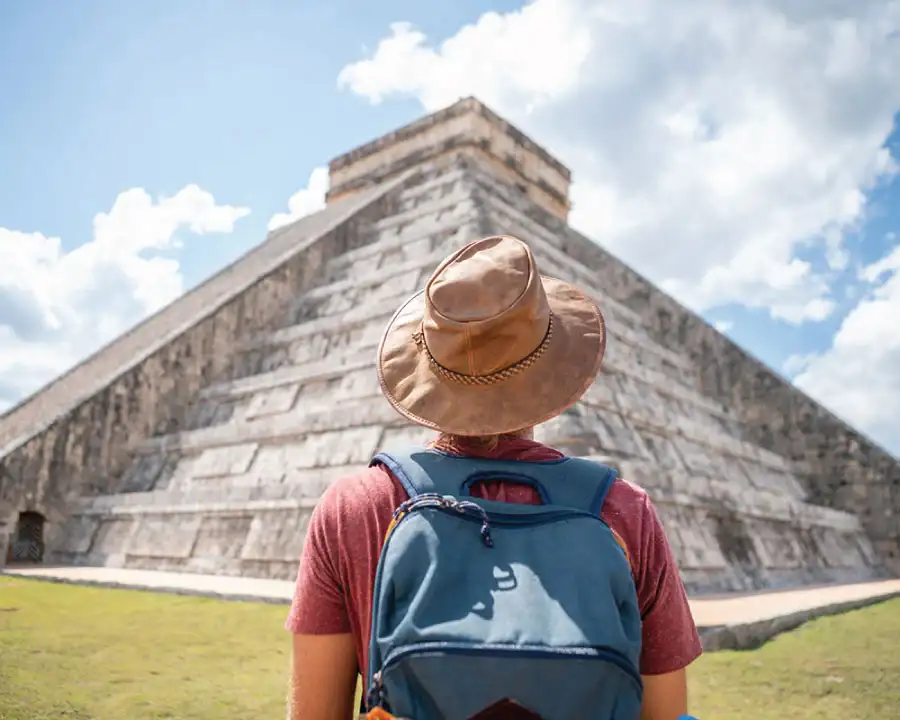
(584, 484)
(422, 471)
(570, 482)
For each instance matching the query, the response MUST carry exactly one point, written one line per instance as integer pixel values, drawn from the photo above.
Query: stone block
(164, 535)
(77, 534)
(113, 536)
(271, 402)
(644, 406)
(697, 458)
(344, 447)
(309, 349)
(603, 392)
(230, 460)
(142, 474)
(585, 431)
(222, 537)
(362, 383)
(276, 536)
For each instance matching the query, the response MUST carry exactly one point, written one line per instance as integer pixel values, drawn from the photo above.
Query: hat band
(494, 377)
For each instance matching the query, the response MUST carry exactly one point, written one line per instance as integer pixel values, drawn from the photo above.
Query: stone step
(291, 375)
(361, 396)
(455, 227)
(711, 495)
(230, 503)
(419, 263)
(359, 330)
(394, 290)
(231, 448)
(355, 380)
(378, 312)
(431, 209)
(289, 483)
(300, 486)
(461, 193)
(402, 280)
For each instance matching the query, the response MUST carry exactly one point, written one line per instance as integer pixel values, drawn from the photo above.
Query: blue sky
(237, 97)
(242, 99)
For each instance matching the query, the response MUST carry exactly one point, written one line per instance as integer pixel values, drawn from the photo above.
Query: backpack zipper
(532, 651)
(376, 695)
(450, 504)
(472, 511)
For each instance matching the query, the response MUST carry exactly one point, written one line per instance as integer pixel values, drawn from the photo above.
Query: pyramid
(200, 440)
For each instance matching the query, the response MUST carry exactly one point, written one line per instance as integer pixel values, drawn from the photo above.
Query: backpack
(482, 606)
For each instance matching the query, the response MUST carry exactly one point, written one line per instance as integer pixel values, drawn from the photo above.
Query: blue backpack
(485, 607)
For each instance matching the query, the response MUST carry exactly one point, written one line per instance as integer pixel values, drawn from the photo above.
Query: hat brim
(552, 384)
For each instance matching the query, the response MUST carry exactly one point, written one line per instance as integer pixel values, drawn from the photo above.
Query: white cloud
(723, 326)
(305, 201)
(57, 306)
(725, 149)
(859, 375)
(709, 141)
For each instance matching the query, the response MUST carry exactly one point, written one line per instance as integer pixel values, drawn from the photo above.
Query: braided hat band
(494, 377)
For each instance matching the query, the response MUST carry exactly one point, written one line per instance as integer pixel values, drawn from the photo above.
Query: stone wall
(83, 451)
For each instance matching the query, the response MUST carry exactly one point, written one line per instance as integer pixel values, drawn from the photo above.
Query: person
(486, 352)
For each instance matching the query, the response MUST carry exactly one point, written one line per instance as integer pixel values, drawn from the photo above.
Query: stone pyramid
(201, 440)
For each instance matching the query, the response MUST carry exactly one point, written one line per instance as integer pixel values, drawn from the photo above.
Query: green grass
(90, 653)
(82, 652)
(844, 666)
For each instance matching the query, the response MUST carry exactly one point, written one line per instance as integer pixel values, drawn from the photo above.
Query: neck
(461, 443)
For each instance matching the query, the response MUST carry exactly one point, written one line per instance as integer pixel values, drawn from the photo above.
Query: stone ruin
(200, 440)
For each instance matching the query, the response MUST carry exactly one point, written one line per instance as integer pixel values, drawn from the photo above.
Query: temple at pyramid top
(469, 128)
(201, 439)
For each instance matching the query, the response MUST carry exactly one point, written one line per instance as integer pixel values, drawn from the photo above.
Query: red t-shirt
(347, 529)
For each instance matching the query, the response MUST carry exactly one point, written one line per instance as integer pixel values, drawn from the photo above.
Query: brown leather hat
(490, 346)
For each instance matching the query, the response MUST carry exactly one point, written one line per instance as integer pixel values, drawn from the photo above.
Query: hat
(490, 346)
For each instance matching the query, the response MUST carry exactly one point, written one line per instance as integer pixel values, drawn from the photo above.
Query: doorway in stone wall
(27, 544)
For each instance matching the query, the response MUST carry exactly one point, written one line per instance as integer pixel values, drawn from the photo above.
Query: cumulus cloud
(57, 306)
(725, 149)
(859, 375)
(709, 141)
(305, 201)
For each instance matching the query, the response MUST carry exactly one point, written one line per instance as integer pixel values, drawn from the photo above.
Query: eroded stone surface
(225, 480)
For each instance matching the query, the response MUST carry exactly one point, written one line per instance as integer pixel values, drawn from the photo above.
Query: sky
(744, 156)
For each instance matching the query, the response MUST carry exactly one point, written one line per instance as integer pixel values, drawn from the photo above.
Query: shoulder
(628, 499)
(359, 493)
(630, 512)
(358, 503)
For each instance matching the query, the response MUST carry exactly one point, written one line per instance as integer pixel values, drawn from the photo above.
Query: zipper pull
(375, 696)
(469, 506)
(486, 534)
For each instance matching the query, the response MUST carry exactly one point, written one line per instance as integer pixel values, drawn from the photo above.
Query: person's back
(491, 352)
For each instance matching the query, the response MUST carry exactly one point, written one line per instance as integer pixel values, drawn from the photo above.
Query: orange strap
(622, 545)
(379, 714)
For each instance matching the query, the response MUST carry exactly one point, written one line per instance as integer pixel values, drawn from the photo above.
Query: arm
(323, 678)
(669, 637)
(324, 662)
(665, 696)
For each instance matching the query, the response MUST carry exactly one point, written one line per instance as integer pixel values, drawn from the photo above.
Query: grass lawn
(89, 653)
